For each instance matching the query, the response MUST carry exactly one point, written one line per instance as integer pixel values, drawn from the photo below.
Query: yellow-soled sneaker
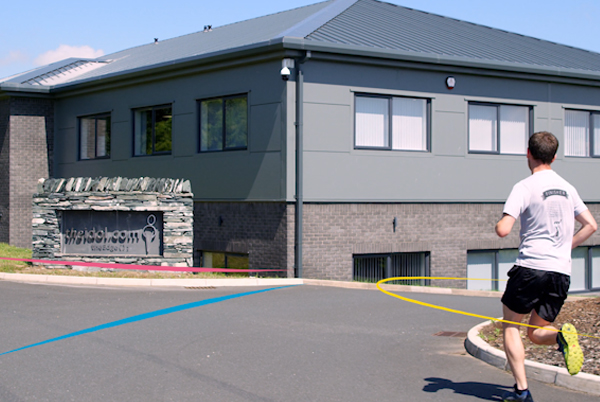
(569, 346)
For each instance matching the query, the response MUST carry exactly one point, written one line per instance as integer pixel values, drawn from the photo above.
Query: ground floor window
(585, 269)
(215, 259)
(487, 270)
(493, 265)
(375, 267)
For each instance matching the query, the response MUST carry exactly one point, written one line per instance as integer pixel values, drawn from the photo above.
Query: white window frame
(391, 122)
(498, 141)
(591, 135)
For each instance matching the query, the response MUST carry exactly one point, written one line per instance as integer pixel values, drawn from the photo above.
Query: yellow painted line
(405, 278)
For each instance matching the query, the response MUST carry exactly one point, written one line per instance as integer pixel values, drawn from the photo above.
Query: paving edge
(481, 350)
(95, 281)
(402, 288)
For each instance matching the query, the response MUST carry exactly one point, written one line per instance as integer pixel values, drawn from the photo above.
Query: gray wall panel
(265, 124)
(185, 140)
(257, 173)
(449, 172)
(449, 130)
(325, 133)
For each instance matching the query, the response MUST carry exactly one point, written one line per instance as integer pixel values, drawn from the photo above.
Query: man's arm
(588, 227)
(505, 225)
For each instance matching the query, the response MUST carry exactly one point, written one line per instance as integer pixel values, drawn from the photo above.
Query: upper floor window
(390, 122)
(499, 129)
(94, 136)
(224, 123)
(152, 130)
(582, 133)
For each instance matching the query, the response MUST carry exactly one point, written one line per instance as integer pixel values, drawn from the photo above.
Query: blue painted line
(146, 316)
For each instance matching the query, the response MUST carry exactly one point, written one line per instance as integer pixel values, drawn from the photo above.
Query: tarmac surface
(298, 343)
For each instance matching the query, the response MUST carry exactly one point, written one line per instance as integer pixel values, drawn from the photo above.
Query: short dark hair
(543, 146)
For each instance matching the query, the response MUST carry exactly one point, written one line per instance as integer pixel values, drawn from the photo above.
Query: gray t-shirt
(547, 205)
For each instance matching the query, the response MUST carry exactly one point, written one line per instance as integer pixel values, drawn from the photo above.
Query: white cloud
(14, 56)
(66, 51)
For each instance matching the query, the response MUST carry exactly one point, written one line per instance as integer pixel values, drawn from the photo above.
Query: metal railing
(373, 268)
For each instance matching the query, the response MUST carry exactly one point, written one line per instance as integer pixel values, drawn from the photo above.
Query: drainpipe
(299, 160)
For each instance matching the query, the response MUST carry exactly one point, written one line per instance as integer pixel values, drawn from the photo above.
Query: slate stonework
(172, 197)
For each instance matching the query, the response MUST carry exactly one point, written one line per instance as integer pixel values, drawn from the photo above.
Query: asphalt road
(302, 343)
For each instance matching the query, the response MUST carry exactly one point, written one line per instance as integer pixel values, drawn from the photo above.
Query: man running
(538, 283)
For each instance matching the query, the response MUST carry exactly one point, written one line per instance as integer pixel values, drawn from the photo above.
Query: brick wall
(333, 233)
(257, 228)
(30, 143)
(4, 164)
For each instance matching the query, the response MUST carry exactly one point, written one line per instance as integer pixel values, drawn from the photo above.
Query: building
(396, 137)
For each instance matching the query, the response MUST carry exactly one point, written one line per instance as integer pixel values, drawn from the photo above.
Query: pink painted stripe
(141, 267)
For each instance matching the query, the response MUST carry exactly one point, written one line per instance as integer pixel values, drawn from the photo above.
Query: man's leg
(513, 346)
(541, 336)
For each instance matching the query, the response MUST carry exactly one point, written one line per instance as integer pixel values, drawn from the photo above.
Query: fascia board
(179, 64)
(22, 88)
(302, 44)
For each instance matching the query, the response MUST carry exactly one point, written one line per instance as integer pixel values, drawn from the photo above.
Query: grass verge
(27, 268)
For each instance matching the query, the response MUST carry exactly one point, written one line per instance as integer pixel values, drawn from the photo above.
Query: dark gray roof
(364, 27)
(375, 24)
(218, 39)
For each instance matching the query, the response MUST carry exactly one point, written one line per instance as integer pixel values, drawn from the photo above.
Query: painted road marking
(146, 316)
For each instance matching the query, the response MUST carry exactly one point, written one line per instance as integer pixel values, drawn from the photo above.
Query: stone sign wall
(144, 221)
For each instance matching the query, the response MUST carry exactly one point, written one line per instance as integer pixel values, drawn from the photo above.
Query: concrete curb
(402, 288)
(480, 349)
(133, 282)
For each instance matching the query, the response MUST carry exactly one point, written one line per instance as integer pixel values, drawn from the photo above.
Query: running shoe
(513, 395)
(569, 346)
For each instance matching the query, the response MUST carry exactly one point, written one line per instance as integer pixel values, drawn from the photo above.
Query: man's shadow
(481, 390)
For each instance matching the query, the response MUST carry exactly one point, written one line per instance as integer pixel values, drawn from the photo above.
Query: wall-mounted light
(450, 82)
(285, 72)
(395, 223)
(220, 221)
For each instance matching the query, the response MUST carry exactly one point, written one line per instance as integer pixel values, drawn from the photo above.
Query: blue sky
(35, 32)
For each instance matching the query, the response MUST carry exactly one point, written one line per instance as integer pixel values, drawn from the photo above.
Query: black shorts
(533, 289)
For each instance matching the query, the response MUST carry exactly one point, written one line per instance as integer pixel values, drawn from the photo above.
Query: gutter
(452, 61)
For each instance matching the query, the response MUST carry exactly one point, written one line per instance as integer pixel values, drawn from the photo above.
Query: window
(390, 122)
(585, 269)
(373, 268)
(582, 133)
(488, 269)
(152, 130)
(211, 259)
(224, 123)
(500, 129)
(94, 137)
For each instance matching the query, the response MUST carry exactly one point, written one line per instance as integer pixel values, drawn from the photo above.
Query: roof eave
(179, 64)
(16, 88)
(303, 44)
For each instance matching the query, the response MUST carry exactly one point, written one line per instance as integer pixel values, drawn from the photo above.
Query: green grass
(28, 268)
(13, 252)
